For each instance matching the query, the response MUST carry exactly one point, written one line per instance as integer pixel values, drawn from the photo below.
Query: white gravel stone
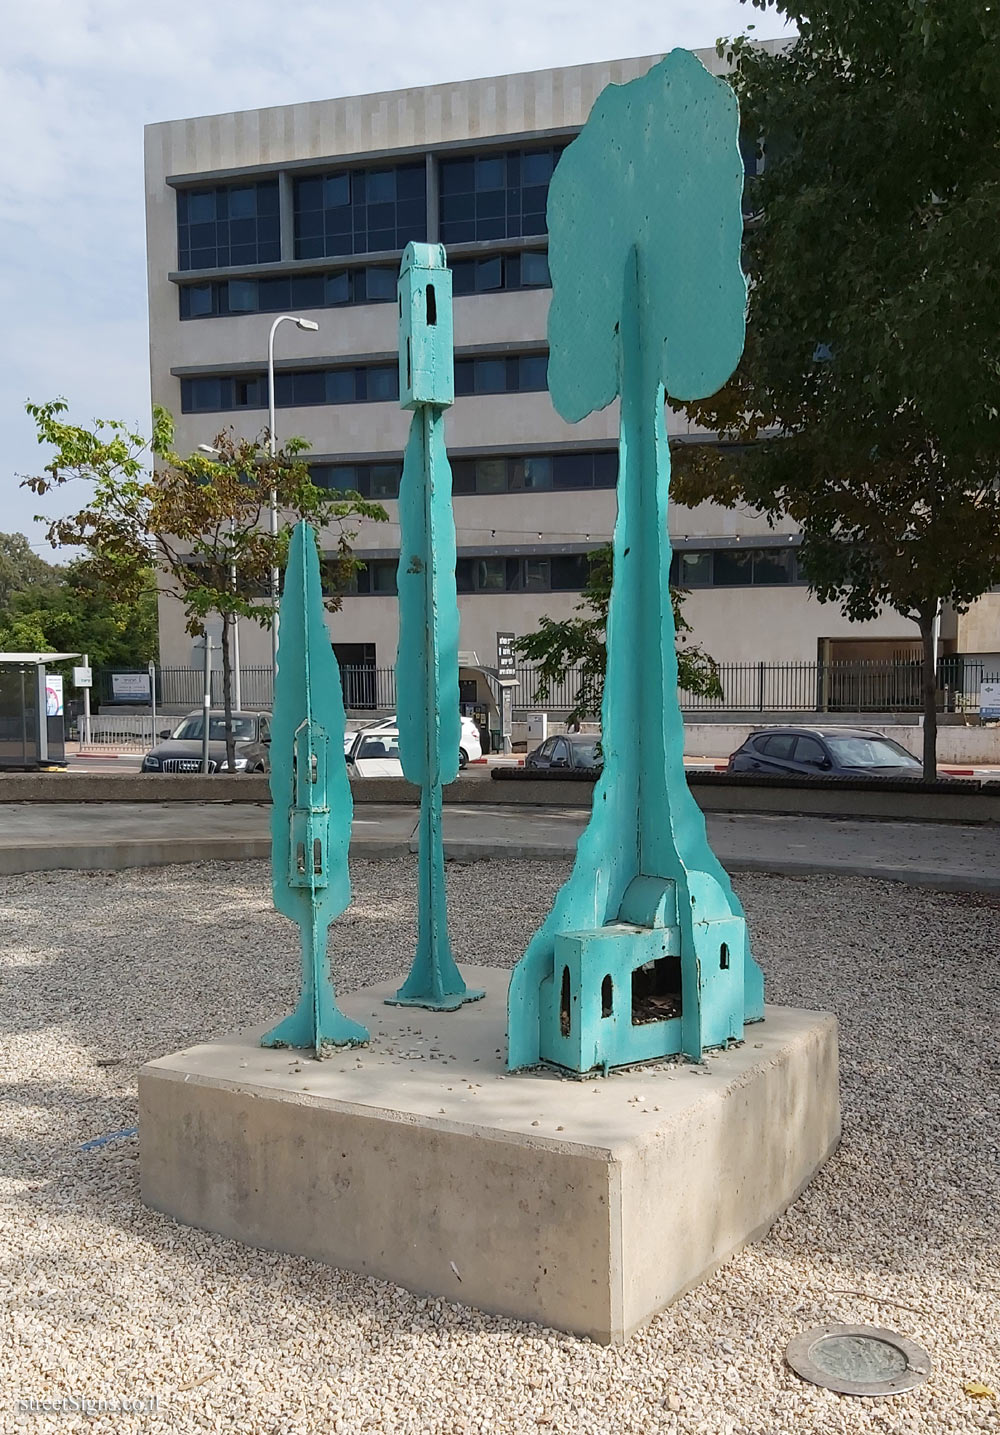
(103, 1299)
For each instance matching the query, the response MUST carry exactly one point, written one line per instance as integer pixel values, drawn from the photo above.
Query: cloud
(80, 78)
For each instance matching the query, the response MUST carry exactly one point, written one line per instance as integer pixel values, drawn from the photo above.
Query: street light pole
(273, 446)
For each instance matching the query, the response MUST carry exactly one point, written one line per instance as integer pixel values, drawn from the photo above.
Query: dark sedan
(181, 749)
(571, 750)
(833, 751)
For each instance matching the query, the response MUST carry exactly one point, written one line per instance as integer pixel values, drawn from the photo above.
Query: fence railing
(758, 687)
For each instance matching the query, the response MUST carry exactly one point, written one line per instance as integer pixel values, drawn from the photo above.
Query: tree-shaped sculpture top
(644, 953)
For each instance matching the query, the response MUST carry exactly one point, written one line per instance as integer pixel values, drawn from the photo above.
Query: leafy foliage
(197, 526)
(579, 644)
(67, 612)
(865, 407)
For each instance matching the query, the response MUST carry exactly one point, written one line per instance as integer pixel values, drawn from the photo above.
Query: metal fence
(855, 687)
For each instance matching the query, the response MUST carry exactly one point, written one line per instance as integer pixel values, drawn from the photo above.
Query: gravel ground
(102, 1299)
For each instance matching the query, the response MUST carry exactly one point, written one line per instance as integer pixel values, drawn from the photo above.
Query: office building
(304, 209)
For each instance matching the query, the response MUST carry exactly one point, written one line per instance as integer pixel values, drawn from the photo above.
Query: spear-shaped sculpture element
(645, 952)
(311, 800)
(427, 660)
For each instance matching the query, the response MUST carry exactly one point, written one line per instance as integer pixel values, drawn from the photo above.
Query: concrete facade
(584, 1205)
(432, 125)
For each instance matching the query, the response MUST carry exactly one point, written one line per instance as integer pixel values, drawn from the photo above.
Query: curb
(122, 856)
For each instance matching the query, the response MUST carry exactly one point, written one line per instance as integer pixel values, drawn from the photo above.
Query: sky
(80, 78)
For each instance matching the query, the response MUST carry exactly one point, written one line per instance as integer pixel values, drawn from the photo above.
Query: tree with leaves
(67, 611)
(579, 644)
(866, 405)
(198, 524)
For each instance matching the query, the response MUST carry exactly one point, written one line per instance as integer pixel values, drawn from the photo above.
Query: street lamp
(238, 680)
(299, 324)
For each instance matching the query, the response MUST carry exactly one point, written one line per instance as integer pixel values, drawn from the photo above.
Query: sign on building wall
(989, 702)
(506, 659)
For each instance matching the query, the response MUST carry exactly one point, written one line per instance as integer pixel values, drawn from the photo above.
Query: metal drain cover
(858, 1359)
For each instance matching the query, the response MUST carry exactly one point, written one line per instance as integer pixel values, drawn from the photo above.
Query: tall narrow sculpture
(645, 953)
(311, 801)
(427, 659)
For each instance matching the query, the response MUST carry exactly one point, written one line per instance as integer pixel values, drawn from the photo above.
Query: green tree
(72, 614)
(866, 405)
(578, 644)
(21, 570)
(198, 525)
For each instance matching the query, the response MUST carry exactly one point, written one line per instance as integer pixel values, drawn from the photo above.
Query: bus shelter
(32, 724)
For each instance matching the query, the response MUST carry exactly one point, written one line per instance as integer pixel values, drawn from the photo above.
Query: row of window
(561, 573)
(364, 211)
(354, 384)
(735, 568)
(530, 474)
(372, 284)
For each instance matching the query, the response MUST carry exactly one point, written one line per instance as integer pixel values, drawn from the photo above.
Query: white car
(471, 749)
(375, 753)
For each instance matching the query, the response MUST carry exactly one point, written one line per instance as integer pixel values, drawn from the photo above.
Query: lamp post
(272, 443)
(237, 677)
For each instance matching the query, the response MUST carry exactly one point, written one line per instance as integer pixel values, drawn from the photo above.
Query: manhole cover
(858, 1359)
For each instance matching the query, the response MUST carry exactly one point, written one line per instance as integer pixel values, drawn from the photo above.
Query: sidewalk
(42, 837)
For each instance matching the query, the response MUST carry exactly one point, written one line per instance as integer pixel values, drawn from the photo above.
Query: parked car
(835, 751)
(375, 753)
(181, 749)
(471, 749)
(573, 750)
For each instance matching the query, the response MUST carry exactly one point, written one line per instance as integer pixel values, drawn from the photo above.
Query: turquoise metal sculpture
(645, 951)
(427, 659)
(311, 800)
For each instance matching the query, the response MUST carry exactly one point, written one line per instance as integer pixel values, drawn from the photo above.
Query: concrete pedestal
(583, 1205)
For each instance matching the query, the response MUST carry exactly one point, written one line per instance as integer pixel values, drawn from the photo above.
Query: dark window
(532, 372)
(534, 270)
(383, 480)
(779, 745)
(569, 572)
(531, 474)
(228, 225)
(379, 284)
(693, 570)
(337, 287)
(733, 568)
(360, 211)
(383, 383)
(573, 470)
(496, 196)
(491, 475)
(808, 750)
(773, 565)
(383, 575)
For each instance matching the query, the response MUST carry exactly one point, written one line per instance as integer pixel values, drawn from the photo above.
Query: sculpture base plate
(584, 1205)
(451, 1003)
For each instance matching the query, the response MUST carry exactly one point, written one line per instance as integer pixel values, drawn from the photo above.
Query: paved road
(50, 835)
